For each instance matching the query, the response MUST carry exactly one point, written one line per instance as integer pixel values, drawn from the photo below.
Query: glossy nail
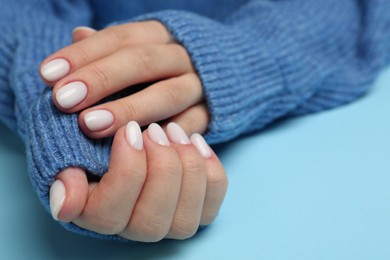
(177, 135)
(98, 120)
(71, 94)
(157, 135)
(201, 145)
(55, 69)
(57, 197)
(83, 28)
(134, 135)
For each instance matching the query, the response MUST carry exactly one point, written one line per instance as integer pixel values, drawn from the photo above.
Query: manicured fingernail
(98, 120)
(83, 28)
(55, 69)
(71, 94)
(201, 145)
(177, 135)
(57, 197)
(157, 135)
(134, 135)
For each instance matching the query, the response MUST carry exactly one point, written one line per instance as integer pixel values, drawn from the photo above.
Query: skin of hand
(158, 186)
(101, 63)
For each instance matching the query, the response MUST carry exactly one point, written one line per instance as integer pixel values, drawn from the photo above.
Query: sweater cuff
(52, 138)
(243, 75)
(55, 142)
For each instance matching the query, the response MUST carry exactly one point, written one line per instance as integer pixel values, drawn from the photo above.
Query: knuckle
(191, 79)
(133, 176)
(183, 230)
(218, 181)
(101, 73)
(179, 50)
(173, 96)
(107, 226)
(208, 218)
(138, 175)
(170, 165)
(116, 35)
(145, 56)
(194, 164)
(130, 108)
(151, 231)
(181, 53)
(82, 55)
(194, 84)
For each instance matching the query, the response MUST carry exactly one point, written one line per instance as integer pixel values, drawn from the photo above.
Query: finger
(217, 181)
(194, 119)
(153, 104)
(100, 45)
(155, 209)
(80, 33)
(126, 67)
(112, 200)
(68, 194)
(193, 186)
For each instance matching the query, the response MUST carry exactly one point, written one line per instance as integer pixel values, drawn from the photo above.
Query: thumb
(68, 194)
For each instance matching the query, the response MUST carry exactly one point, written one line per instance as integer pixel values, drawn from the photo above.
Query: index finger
(100, 45)
(111, 201)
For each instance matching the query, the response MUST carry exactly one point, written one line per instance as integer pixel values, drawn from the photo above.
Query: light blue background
(316, 187)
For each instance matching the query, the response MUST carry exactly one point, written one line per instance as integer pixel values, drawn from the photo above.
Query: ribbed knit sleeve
(30, 31)
(278, 58)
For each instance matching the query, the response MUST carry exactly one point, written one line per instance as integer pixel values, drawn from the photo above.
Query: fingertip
(83, 28)
(204, 149)
(99, 120)
(176, 134)
(134, 135)
(81, 32)
(68, 194)
(103, 124)
(157, 135)
(54, 69)
(57, 197)
(128, 141)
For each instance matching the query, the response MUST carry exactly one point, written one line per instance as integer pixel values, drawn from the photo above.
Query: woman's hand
(99, 64)
(156, 187)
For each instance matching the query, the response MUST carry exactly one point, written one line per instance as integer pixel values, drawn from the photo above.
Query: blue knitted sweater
(258, 61)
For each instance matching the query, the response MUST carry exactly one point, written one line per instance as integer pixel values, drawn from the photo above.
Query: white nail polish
(71, 94)
(177, 135)
(134, 135)
(157, 135)
(83, 28)
(57, 197)
(98, 120)
(55, 69)
(201, 145)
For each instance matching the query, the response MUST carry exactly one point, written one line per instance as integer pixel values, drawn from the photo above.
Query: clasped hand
(160, 183)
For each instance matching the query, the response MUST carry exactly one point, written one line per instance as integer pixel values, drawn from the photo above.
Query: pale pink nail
(71, 94)
(177, 135)
(157, 135)
(57, 197)
(134, 135)
(83, 28)
(98, 120)
(55, 69)
(201, 145)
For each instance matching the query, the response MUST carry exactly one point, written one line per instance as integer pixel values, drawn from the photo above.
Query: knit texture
(258, 61)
